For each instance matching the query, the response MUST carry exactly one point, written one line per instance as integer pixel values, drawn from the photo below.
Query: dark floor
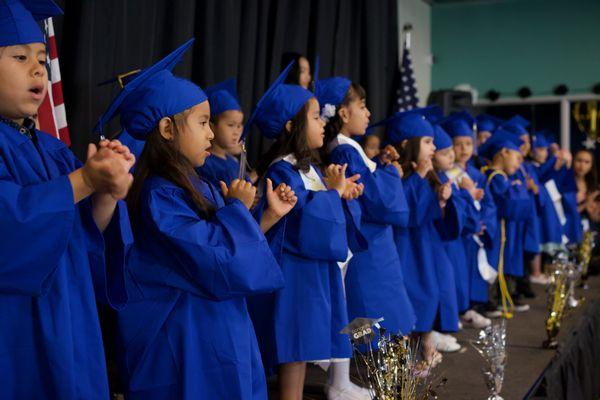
(526, 357)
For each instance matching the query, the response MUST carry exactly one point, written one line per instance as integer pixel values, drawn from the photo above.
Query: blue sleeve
(383, 200)
(471, 215)
(36, 223)
(224, 257)
(422, 201)
(107, 252)
(512, 200)
(451, 224)
(316, 227)
(356, 241)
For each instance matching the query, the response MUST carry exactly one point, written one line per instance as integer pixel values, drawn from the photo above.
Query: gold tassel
(504, 292)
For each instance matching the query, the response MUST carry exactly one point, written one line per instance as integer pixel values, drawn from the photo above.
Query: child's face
(426, 148)
(443, 160)
(526, 146)
(372, 145)
(315, 126)
(228, 129)
(356, 120)
(540, 154)
(304, 72)
(512, 160)
(195, 133)
(463, 148)
(23, 80)
(582, 164)
(482, 136)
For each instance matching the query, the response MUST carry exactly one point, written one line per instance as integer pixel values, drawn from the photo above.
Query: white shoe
(351, 392)
(540, 279)
(445, 343)
(441, 337)
(472, 319)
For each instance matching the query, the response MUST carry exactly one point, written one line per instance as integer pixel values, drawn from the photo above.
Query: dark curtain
(99, 39)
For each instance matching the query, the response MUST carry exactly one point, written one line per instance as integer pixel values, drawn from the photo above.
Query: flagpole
(407, 29)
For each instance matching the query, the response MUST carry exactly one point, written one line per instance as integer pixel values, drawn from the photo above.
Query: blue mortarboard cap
(223, 97)
(441, 139)
(459, 124)
(18, 20)
(540, 139)
(405, 125)
(487, 122)
(331, 90)
(280, 103)
(153, 94)
(501, 139)
(516, 125)
(433, 113)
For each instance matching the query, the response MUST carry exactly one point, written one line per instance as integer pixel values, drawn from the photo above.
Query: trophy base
(495, 397)
(550, 344)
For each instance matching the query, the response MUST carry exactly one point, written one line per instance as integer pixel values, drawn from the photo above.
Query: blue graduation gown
(302, 321)
(217, 169)
(186, 333)
(565, 182)
(53, 258)
(456, 249)
(531, 226)
(488, 218)
(551, 229)
(375, 285)
(428, 272)
(514, 206)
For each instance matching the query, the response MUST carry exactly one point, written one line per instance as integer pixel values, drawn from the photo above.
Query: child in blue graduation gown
(227, 123)
(551, 211)
(302, 322)
(64, 234)
(466, 197)
(374, 281)
(460, 127)
(530, 228)
(186, 334)
(513, 206)
(433, 218)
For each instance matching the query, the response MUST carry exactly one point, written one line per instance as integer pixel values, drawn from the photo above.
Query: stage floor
(526, 357)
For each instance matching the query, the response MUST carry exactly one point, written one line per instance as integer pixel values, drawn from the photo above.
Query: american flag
(52, 116)
(407, 91)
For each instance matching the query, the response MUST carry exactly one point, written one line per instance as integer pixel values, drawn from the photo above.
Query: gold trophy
(587, 117)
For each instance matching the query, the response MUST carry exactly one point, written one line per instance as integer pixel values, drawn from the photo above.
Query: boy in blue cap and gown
(513, 206)
(227, 124)
(64, 234)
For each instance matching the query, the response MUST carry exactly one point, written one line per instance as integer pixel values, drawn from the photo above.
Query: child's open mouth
(37, 92)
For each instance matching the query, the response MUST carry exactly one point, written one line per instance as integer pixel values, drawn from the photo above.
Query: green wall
(507, 44)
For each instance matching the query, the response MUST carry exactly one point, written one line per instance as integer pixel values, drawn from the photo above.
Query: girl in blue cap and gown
(374, 282)
(460, 127)
(433, 218)
(64, 234)
(227, 123)
(186, 334)
(302, 321)
(513, 206)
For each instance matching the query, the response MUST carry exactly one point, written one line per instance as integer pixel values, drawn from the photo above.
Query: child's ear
(344, 115)
(288, 126)
(404, 143)
(166, 129)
